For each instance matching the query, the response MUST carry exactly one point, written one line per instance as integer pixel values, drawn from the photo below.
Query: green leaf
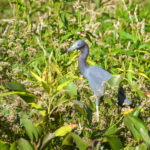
(13, 146)
(62, 85)
(144, 75)
(138, 126)
(58, 103)
(130, 148)
(145, 52)
(56, 68)
(130, 74)
(66, 36)
(26, 96)
(142, 146)
(37, 77)
(4, 146)
(125, 35)
(144, 46)
(5, 111)
(114, 142)
(98, 3)
(44, 84)
(145, 136)
(111, 130)
(82, 145)
(68, 140)
(46, 140)
(62, 131)
(24, 144)
(136, 111)
(72, 89)
(38, 107)
(18, 93)
(83, 109)
(132, 128)
(64, 19)
(31, 131)
(115, 80)
(18, 87)
(68, 85)
(15, 86)
(141, 127)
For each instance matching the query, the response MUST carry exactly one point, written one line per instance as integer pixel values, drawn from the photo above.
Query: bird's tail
(122, 98)
(127, 102)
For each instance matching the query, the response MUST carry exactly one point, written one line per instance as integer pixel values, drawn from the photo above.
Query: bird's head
(77, 45)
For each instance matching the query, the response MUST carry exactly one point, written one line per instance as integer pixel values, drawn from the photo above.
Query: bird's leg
(97, 111)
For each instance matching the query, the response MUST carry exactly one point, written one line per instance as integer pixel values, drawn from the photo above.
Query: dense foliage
(45, 103)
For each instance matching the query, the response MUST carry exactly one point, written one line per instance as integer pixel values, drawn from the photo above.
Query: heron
(95, 75)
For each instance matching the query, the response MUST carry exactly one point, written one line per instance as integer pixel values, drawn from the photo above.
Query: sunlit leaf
(71, 60)
(4, 146)
(13, 146)
(28, 97)
(115, 80)
(136, 111)
(44, 83)
(38, 78)
(144, 46)
(70, 87)
(62, 85)
(38, 107)
(62, 131)
(127, 111)
(130, 148)
(130, 74)
(18, 93)
(142, 146)
(144, 75)
(45, 75)
(145, 135)
(56, 68)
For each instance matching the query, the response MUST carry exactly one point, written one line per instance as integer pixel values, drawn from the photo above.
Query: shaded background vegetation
(42, 90)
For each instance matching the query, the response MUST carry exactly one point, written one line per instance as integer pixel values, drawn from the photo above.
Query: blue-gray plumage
(95, 75)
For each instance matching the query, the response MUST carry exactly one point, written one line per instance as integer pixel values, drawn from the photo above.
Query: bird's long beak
(69, 49)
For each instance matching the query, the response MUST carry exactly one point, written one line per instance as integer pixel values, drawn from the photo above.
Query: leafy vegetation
(45, 103)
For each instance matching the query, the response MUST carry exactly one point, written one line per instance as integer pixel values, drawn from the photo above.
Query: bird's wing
(96, 76)
(122, 100)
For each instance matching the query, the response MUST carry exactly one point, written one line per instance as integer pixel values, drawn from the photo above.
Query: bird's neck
(82, 59)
